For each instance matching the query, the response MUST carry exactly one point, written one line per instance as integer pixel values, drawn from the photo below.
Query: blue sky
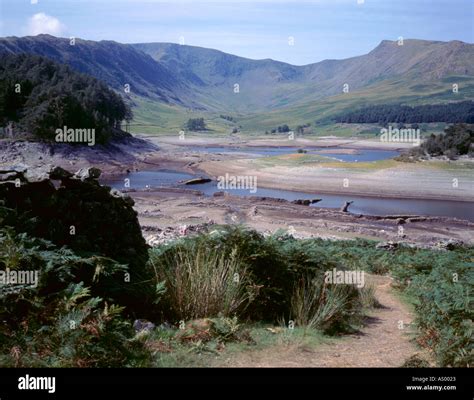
(320, 29)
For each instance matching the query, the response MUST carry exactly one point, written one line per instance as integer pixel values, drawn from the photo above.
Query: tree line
(196, 124)
(39, 96)
(458, 139)
(459, 112)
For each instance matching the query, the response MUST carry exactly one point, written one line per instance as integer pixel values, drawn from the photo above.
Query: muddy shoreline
(167, 209)
(170, 209)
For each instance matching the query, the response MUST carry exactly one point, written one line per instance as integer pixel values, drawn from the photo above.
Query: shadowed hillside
(114, 63)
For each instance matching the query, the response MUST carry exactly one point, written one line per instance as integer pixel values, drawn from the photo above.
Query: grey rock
(58, 173)
(166, 326)
(450, 244)
(88, 174)
(387, 245)
(143, 325)
(116, 193)
(32, 176)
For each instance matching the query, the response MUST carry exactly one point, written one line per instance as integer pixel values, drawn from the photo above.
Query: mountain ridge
(276, 84)
(205, 79)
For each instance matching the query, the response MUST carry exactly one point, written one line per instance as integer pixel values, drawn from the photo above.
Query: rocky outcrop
(74, 210)
(450, 244)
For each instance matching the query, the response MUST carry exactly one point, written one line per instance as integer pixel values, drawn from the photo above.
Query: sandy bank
(393, 180)
(275, 141)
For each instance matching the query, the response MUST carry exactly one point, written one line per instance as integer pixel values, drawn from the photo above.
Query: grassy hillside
(390, 91)
(319, 113)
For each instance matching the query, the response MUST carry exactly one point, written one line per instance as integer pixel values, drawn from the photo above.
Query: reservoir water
(339, 153)
(361, 205)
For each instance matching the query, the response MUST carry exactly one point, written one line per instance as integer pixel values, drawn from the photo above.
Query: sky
(294, 31)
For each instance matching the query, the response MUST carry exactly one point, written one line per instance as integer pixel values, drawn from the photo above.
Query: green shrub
(105, 228)
(445, 312)
(229, 330)
(416, 361)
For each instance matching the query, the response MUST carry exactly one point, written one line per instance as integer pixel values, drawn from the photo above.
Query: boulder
(387, 245)
(142, 325)
(58, 173)
(33, 176)
(450, 244)
(90, 173)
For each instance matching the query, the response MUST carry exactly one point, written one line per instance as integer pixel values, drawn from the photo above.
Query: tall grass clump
(331, 308)
(202, 282)
(198, 273)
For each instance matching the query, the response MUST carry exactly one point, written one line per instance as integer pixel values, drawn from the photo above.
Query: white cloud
(43, 23)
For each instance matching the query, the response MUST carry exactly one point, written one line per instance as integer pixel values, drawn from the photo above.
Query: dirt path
(381, 343)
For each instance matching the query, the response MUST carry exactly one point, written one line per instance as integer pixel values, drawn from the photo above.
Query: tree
(283, 129)
(41, 96)
(196, 124)
(458, 139)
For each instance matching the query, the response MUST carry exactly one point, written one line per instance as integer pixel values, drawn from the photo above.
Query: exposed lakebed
(361, 205)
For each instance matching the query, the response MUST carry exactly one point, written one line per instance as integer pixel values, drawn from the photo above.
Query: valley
(221, 189)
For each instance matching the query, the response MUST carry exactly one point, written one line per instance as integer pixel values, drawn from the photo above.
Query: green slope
(171, 119)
